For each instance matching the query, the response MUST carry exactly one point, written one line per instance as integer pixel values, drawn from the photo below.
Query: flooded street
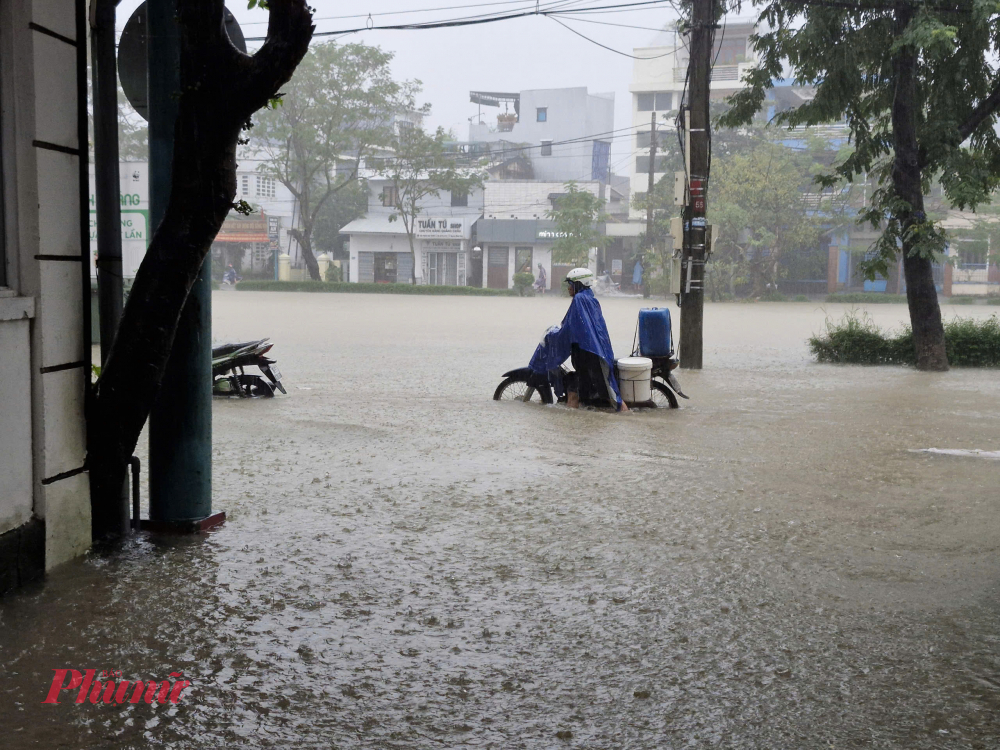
(409, 564)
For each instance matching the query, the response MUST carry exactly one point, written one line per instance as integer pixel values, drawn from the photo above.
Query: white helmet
(582, 276)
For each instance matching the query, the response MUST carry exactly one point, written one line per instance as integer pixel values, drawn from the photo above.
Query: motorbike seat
(224, 349)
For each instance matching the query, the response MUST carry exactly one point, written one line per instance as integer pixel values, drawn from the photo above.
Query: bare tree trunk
(220, 89)
(921, 295)
(305, 245)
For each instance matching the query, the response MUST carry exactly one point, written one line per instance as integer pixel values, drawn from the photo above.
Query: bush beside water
(857, 340)
(868, 298)
(344, 287)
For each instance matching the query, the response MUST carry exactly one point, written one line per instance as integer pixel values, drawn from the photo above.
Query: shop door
(385, 268)
(476, 269)
(442, 269)
(498, 273)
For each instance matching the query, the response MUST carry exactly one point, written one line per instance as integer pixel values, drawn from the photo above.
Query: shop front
(380, 251)
(513, 246)
(444, 249)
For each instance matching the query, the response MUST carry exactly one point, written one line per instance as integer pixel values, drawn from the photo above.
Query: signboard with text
(134, 186)
(446, 226)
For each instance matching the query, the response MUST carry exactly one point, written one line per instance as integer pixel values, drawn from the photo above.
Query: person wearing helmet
(583, 337)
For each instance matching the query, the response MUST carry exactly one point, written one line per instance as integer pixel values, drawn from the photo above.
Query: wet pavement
(408, 564)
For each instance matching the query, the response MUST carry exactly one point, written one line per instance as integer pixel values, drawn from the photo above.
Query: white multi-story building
(567, 133)
(659, 83)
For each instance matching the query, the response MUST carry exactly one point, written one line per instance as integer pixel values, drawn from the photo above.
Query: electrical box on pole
(680, 189)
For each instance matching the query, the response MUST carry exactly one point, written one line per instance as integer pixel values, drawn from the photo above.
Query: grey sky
(525, 53)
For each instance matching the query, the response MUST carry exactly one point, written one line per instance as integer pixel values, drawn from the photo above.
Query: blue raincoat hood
(584, 326)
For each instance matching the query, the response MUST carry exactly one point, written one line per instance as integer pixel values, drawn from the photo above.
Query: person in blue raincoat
(582, 336)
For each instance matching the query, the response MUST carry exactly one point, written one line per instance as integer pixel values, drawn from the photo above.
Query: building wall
(526, 199)
(43, 373)
(661, 68)
(281, 204)
(571, 113)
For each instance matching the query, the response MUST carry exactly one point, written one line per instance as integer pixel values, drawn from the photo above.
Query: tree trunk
(220, 89)
(921, 295)
(305, 245)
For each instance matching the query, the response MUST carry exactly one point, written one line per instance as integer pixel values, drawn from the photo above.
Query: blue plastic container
(654, 332)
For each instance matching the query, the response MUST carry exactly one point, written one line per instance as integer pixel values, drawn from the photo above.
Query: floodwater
(408, 564)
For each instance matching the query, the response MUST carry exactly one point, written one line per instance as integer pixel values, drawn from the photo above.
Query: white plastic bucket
(634, 376)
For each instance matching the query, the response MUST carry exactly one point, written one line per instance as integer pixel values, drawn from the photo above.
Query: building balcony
(719, 72)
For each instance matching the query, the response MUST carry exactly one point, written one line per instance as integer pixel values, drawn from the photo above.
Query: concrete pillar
(323, 261)
(284, 267)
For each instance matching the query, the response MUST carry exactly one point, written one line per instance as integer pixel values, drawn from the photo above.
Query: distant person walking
(541, 282)
(637, 274)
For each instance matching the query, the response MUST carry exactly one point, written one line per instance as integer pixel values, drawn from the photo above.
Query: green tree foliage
(342, 208)
(917, 87)
(337, 110)
(759, 213)
(654, 253)
(576, 215)
(421, 168)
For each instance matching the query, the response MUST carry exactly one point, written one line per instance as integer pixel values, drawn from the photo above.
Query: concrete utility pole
(693, 291)
(649, 196)
(180, 424)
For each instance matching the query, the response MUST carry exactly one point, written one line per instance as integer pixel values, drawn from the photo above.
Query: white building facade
(44, 285)
(567, 132)
(659, 77)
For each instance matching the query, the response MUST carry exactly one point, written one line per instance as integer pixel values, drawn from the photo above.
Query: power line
(471, 21)
(525, 3)
(609, 23)
(609, 49)
(516, 149)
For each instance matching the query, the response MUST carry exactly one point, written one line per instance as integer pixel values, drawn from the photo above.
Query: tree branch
(986, 107)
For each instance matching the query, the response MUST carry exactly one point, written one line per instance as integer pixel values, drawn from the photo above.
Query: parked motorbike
(229, 378)
(523, 384)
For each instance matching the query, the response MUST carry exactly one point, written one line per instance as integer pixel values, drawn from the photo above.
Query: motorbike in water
(654, 347)
(228, 370)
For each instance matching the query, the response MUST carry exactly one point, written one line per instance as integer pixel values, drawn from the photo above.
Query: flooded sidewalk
(409, 564)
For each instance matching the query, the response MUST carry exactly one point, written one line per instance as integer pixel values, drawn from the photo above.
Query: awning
(253, 229)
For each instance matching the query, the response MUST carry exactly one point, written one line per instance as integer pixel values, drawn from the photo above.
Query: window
(390, 196)
(730, 51)
(522, 259)
(642, 164)
(542, 114)
(661, 101)
(546, 148)
(245, 185)
(459, 199)
(642, 139)
(265, 187)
